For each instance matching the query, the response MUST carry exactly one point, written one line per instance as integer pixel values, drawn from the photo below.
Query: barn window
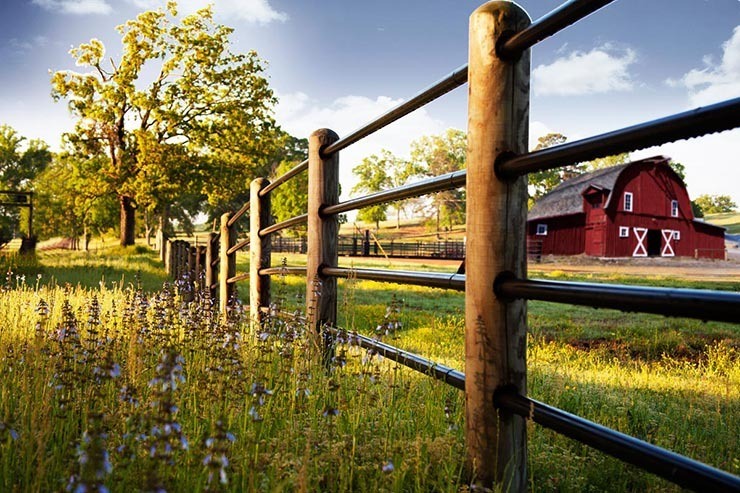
(674, 208)
(628, 201)
(624, 232)
(542, 229)
(676, 235)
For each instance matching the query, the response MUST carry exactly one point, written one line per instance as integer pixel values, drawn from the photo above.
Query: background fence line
(496, 285)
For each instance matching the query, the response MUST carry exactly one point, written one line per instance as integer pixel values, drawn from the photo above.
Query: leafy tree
(438, 154)
(202, 125)
(680, 170)
(715, 204)
(70, 203)
(608, 161)
(541, 182)
(374, 177)
(696, 209)
(21, 160)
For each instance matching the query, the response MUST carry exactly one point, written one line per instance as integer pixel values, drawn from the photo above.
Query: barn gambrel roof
(567, 198)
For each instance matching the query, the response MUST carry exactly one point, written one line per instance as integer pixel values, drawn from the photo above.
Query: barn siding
(564, 235)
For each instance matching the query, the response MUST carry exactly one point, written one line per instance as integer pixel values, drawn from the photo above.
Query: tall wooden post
(227, 263)
(323, 190)
(259, 248)
(495, 330)
(211, 255)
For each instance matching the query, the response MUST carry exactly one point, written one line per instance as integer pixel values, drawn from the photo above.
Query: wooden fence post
(495, 329)
(227, 263)
(323, 189)
(259, 249)
(211, 255)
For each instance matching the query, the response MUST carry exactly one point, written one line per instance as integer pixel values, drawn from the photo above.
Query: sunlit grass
(672, 382)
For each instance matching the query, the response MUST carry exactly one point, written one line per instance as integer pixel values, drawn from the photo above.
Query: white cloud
(254, 11)
(299, 115)
(603, 69)
(77, 7)
(22, 46)
(715, 82)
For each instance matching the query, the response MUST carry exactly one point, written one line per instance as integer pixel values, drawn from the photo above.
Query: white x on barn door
(640, 249)
(667, 247)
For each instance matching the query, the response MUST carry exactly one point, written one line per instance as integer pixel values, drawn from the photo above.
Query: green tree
(680, 170)
(438, 154)
(541, 182)
(373, 177)
(69, 203)
(715, 204)
(21, 160)
(202, 124)
(607, 161)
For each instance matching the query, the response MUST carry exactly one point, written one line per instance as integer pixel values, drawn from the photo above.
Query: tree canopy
(715, 204)
(438, 154)
(21, 160)
(178, 115)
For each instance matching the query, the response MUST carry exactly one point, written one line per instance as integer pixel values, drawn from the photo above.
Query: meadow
(109, 381)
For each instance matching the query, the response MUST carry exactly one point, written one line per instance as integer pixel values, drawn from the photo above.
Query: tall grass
(127, 387)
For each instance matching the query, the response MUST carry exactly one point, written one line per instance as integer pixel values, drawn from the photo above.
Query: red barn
(639, 209)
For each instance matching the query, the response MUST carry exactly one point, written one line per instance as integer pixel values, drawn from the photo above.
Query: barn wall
(710, 241)
(564, 234)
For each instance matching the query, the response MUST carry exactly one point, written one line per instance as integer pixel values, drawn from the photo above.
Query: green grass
(673, 382)
(729, 220)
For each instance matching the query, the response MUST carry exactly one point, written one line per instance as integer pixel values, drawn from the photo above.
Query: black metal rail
(298, 169)
(293, 221)
(431, 279)
(439, 183)
(693, 123)
(237, 215)
(428, 367)
(676, 468)
(720, 306)
(238, 246)
(283, 271)
(567, 14)
(237, 278)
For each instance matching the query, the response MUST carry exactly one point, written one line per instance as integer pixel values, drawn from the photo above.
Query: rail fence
(496, 286)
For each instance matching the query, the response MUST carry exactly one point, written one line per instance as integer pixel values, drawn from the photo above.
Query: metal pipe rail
(720, 306)
(431, 279)
(238, 214)
(448, 181)
(413, 361)
(283, 271)
(676, 468)
(451, 81)
(238, 246)
(293, 221)
(237, 278)
(692, 123)
(567, 14)
(303, 166)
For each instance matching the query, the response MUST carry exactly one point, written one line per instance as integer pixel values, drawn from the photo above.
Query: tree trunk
(163, 219)
(128, 220)
(148, 228)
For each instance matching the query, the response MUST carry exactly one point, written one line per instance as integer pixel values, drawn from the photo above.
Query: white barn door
(641, 248)
(667, 245)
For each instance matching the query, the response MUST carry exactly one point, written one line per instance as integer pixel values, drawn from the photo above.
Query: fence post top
(325, 135)
(501, 6)
(260, 182)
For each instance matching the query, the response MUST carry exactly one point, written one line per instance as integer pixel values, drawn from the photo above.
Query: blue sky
(339, 63)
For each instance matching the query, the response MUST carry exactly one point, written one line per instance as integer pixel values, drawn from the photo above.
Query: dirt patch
(678, 267)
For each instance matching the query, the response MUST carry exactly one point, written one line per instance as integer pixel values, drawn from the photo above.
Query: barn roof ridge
(567, 199)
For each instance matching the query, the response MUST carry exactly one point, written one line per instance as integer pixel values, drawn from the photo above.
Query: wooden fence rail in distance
(496, 287)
